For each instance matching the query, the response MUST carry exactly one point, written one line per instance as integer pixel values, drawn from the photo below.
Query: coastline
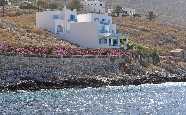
(94, 82)
(36, 73)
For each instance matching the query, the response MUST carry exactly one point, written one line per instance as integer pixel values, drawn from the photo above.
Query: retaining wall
(16, 68)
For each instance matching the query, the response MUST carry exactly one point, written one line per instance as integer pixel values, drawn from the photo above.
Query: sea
(148, 99)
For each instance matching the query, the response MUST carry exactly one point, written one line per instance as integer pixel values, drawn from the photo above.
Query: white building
(93, 6)
(89, 30)
(57, 22)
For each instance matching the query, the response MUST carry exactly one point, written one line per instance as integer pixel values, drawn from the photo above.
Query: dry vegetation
(24, 21)
(153, 34)
(149, 33)
(30, 35)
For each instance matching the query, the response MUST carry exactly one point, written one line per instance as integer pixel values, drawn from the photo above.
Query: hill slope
(21, 31)
(169, 11)
(152, 33)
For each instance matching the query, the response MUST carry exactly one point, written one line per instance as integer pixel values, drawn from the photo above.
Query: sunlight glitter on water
(168, 99)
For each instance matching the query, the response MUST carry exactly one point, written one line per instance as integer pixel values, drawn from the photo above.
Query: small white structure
(179, 53)
(93, 6)
(89, 30)
(129, 11)
(123, 12)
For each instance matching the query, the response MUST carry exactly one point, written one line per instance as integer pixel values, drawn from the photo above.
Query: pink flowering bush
(99, 52)
(60, 51)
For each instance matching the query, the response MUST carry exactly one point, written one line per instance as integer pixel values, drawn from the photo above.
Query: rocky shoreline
(94, 81)
(36, 73)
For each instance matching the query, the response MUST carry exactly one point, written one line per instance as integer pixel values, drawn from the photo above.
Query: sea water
(161, 99)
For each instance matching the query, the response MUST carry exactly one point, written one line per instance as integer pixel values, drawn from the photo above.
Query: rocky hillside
(21, 31)
(153, 34)
(169, 11)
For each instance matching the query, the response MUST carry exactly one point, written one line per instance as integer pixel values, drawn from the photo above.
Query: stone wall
(16, 68)
(184, 54)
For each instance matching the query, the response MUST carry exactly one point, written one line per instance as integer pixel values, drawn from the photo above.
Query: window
(115, 42)
(103, 41)
(102, 21)
(59, 28)
(96, 19)
(55, 17)
(110, 42)
(72, 18)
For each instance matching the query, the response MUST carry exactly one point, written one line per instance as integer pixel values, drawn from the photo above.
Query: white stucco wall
(90, 17)
(44, 20)
(114, 28)
(84, 17)
(84, 34)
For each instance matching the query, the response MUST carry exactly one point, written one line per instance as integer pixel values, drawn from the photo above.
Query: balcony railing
(105, 23)
(72, 20)
(107, 31)
(104, 31)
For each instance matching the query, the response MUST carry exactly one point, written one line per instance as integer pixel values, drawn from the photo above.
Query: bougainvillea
(61, 51)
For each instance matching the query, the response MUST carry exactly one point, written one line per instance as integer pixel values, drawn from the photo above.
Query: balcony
(109, 42)
(105, 22)
(104, 31)
(72, 20)
(107, 31)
